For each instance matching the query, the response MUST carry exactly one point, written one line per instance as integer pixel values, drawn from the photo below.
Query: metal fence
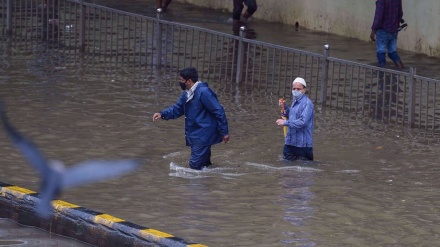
(113, 38)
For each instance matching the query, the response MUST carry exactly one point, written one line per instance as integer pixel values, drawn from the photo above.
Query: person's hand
(373, 35)
(156, 116)
(225, 138)
(280, 122)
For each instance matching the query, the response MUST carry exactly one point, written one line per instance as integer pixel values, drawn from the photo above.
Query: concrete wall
(351, 18)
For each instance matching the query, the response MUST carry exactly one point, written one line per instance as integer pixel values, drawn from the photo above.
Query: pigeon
(56, 177)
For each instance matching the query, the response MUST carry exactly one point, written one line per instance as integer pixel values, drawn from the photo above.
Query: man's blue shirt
(205, 118)
(300, 123)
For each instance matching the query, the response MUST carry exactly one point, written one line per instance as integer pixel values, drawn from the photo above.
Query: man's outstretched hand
(373, 35)
(225, 138)
(156, 116)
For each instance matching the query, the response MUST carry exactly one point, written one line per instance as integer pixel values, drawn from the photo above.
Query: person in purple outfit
(387, 19)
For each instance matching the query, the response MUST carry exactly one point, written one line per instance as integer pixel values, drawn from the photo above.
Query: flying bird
(55, 177)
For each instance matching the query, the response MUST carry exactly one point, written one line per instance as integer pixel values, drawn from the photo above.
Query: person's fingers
(280, 122)
(225, 139)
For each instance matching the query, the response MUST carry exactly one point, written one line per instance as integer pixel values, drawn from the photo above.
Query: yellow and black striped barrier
(80, 223)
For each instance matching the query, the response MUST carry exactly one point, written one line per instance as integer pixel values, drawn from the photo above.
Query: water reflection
(296, 204)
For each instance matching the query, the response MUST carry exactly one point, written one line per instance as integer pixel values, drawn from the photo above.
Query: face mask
(296, 94)
(182, 85)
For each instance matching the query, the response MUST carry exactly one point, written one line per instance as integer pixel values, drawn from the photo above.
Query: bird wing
(28, 149)
(49, 190)
(91, 171)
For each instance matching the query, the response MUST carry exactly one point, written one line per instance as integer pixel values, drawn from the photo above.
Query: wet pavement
(281, 34)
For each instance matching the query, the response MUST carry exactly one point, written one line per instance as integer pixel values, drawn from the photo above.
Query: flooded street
(12, 234)
(280, 34)
(370, 184)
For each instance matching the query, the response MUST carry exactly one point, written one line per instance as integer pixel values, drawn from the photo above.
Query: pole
(240, 58)
(159, 39)
(412, 97)
(82, 27)
(9, 17)
(324, 77)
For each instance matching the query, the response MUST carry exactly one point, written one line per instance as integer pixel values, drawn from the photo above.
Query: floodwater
(13, 234)
(370, 185)
(280, 34)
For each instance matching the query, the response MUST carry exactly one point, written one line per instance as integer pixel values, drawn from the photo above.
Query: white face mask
(296, 94)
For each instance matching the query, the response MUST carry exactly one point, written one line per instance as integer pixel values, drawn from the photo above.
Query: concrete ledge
(81, 223)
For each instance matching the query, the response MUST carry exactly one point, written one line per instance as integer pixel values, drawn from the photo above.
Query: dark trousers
(238, 8)
(163, 4)
(200, 157)
(294, 153)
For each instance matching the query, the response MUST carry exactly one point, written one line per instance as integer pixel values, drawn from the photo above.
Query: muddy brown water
(370, 185)
(13, 234)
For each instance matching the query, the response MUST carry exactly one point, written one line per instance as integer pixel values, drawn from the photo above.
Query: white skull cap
(300, 80)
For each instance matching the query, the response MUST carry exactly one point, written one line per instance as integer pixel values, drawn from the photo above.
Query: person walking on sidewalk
(205, 118)
(237, 18)
(387, 19)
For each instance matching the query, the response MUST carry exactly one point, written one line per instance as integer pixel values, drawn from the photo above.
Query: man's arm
(173, 111)
(378, 15)
(400, 11)
(373, 35)
(210, 101)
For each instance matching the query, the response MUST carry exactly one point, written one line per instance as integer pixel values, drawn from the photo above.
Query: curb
(80, 223)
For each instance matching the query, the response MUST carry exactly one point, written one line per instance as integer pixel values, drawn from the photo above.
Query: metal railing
(113, 38)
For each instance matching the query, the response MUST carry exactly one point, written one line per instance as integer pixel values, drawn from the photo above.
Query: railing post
(240, 56)
(159, 39)
(411, 97)
(82, 27)
(324, 76)
(9, 17)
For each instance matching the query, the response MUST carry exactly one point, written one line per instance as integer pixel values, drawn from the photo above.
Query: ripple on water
(266, 167)
(186, 172)
(348, 171)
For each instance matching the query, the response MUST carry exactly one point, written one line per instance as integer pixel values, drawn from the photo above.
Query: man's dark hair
(189, 73)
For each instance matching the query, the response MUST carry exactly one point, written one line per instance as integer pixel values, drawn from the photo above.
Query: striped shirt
(388, 15)
(300, 123)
